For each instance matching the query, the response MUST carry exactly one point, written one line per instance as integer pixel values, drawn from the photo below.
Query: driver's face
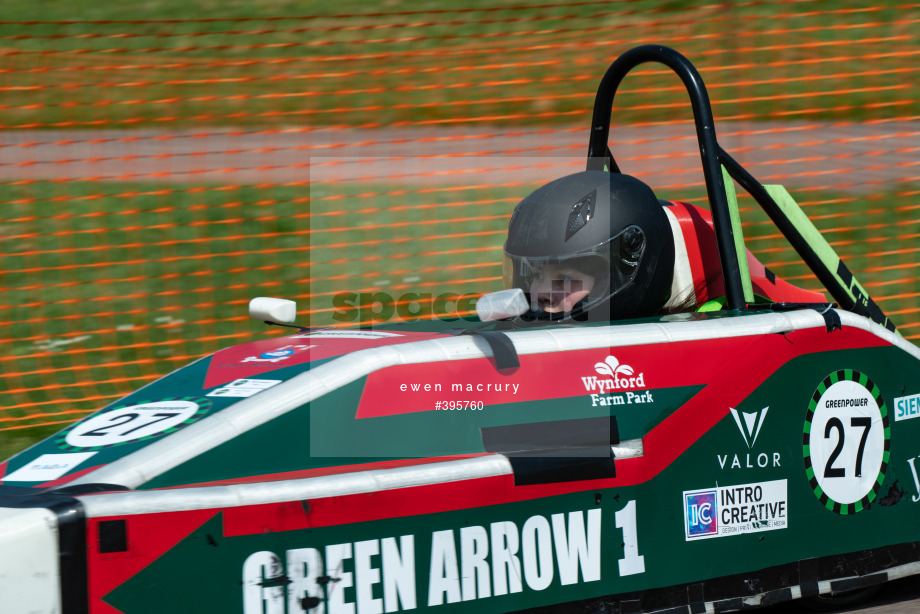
(557, 288)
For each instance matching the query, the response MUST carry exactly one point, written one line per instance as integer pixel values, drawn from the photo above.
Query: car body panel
(707, 411)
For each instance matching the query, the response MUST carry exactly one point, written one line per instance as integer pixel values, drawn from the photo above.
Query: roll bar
(804, 238)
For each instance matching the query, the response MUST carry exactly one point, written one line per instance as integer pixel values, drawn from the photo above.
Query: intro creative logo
(701, 513)
(749, 423)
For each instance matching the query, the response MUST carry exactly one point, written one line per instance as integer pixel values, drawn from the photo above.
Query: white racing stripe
(359, 482)
(355, 483)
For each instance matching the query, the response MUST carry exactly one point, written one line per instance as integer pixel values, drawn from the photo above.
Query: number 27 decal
(846, 441)
(132, 423)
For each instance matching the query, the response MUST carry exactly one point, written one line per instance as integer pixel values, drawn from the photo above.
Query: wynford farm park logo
(616, 377)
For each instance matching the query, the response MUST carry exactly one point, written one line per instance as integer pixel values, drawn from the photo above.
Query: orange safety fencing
(157, 174)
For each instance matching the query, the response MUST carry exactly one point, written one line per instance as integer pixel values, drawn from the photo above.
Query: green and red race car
(696, 462)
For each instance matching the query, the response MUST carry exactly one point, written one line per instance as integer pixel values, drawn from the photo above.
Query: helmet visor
(556, 284)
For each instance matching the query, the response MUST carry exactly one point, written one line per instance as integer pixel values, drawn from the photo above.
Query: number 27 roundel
(131, 423)
(846, 442)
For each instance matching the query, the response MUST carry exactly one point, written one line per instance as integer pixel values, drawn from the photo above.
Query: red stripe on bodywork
(149, 537)
(243, 361)
(551, 375)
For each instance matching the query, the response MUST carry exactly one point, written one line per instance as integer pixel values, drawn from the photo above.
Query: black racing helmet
(608, 225)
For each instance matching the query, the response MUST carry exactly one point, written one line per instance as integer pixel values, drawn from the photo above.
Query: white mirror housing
(277, 310)
(501, 305)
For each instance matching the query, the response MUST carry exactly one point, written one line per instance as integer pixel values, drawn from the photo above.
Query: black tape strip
(502, 349)
(844, 274)
(728, 605)
(808, 577)
(556, 451)
(777, 596)
(831, 319)
(852, 584)
(875, 312)
(553, 435)
(870, 309)
(771, 276)
(696, 598)
(810, 589)
(878, 316)
(561, 467)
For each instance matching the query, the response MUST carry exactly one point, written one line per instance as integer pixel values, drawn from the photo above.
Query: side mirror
(274, 310)
(502, 305)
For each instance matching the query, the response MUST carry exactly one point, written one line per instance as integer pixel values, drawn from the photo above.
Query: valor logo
(750, 425)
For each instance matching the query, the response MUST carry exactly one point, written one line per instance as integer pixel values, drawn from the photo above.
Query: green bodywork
(593, 559)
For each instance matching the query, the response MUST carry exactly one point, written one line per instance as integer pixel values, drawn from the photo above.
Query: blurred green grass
(516, 64)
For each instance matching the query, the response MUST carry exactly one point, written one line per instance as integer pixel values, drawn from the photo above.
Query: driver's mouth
(550, 301)
(559, 291)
